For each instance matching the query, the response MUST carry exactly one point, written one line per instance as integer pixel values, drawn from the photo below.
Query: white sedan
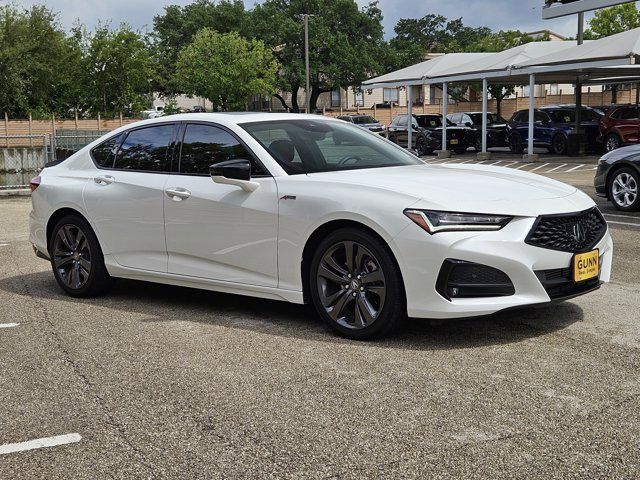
(272, 206)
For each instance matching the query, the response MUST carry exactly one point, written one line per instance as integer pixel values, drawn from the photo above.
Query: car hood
(469, 188)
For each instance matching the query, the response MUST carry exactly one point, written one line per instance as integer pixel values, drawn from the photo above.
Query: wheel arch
(320, 233)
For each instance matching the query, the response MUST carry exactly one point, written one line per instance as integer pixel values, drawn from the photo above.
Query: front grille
(575, 232)
(559, 283)
(460, 279)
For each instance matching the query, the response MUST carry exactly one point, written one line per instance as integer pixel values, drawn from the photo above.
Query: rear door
(628, 124)
(125, 198)
(217, 231)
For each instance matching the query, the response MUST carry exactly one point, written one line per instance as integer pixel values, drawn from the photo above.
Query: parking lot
(155, 381)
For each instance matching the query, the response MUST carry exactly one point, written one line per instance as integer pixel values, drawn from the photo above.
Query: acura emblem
(578, 233)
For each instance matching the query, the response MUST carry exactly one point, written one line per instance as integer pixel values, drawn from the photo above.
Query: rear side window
(630, 114)
(146, 149)
(104, 154)
(206, 145)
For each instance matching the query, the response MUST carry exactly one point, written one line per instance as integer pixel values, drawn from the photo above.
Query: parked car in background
(552, 126)
(198, 109)
(472, 122)
(618, 177)
(153, 112)
(620, 126)
(427, 134)
(365, 121)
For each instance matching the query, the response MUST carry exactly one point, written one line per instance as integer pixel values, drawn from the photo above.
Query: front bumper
(505, 250)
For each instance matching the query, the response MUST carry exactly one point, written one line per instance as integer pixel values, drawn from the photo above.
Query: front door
(217, 231)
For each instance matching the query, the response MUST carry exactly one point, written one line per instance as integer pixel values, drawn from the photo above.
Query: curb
(17, 192)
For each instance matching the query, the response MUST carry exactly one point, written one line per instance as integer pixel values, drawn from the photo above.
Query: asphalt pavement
(156, 381)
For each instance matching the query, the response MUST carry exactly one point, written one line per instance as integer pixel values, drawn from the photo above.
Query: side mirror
(234, 172)
(468, 124)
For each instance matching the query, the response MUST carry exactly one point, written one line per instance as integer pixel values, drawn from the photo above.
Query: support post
(444, 153)
(484, 155)
(530, 157)
(409, 118)
(577, 141)
(6, 127)
(31, 131)
(306, 61)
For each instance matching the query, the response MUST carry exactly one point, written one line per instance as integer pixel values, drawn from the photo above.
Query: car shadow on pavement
(165, 303)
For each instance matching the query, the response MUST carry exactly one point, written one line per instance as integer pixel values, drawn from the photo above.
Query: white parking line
(467, 161)
(523, 165)
(509, 164)
(4, 244)
(40, 443)
(541, 166)
(556, 168)
(621, 216)
(629, 224)
(8, 325)
(575, 168)
(495, 163)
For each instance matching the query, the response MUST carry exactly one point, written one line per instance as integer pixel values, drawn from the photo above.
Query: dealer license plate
(454, 141)
(586, 265)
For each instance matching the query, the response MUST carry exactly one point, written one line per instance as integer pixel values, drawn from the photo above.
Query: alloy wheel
(72, 256)
(624, 189)
(559, 145)
(612, 143)
(351, 285)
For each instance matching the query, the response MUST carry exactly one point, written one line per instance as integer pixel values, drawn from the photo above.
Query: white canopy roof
(621, 47)
(416, 74)
(498, 63)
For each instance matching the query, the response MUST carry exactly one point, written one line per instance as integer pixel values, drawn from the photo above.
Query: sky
(524, 15)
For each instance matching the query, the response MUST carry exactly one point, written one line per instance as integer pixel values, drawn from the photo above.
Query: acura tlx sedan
(272, 206)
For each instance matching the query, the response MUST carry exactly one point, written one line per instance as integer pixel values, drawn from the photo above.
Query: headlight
(433, 221)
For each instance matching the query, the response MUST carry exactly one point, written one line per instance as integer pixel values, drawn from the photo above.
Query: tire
(477, 143)
(392, 138)
(515, 144)
(612, 142)
(76, 258)
(421, 146)
(351, 306)
(559, 144)
(624, 189)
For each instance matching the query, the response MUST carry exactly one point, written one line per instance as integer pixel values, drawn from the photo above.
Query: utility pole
(305, 17)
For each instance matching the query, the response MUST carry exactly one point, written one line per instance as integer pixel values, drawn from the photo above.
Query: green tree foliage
(612, 20)
(35, 60)
(118, 71)
(225, 68)
(346, 43)
(176, 27)
(415, 37)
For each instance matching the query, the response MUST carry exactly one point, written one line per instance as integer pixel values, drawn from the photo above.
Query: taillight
(34, 183)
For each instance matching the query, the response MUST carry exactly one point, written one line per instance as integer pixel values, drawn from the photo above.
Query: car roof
(233, 117)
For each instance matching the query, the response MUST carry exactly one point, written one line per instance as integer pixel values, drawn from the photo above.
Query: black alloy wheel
(515, 143)
(477, 143)
(559, 144)
(612, 142)
(76, 258)
(421, 146)
(356, 286)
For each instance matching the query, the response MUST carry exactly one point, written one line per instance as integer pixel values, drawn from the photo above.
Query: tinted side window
(541, 117)
(205, 145)
(146, 149)
(105, 153)
(630, 114)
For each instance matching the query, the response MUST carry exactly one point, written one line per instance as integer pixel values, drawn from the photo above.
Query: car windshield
(309, 146)
(492, 118)
(364, 120)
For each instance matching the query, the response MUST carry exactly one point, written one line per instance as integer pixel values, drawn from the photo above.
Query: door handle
(104, 179)
(178, 193)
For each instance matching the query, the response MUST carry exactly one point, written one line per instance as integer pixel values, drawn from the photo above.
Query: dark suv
(620, 126)
(472, 122)
(552, 125)
(427, 134)
(365, 121)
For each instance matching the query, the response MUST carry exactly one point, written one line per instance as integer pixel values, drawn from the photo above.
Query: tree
(345, 43)
(612, 20)
(176, 27)
(225, 68)
(35, 62)
(118, 71)
(415, 37)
